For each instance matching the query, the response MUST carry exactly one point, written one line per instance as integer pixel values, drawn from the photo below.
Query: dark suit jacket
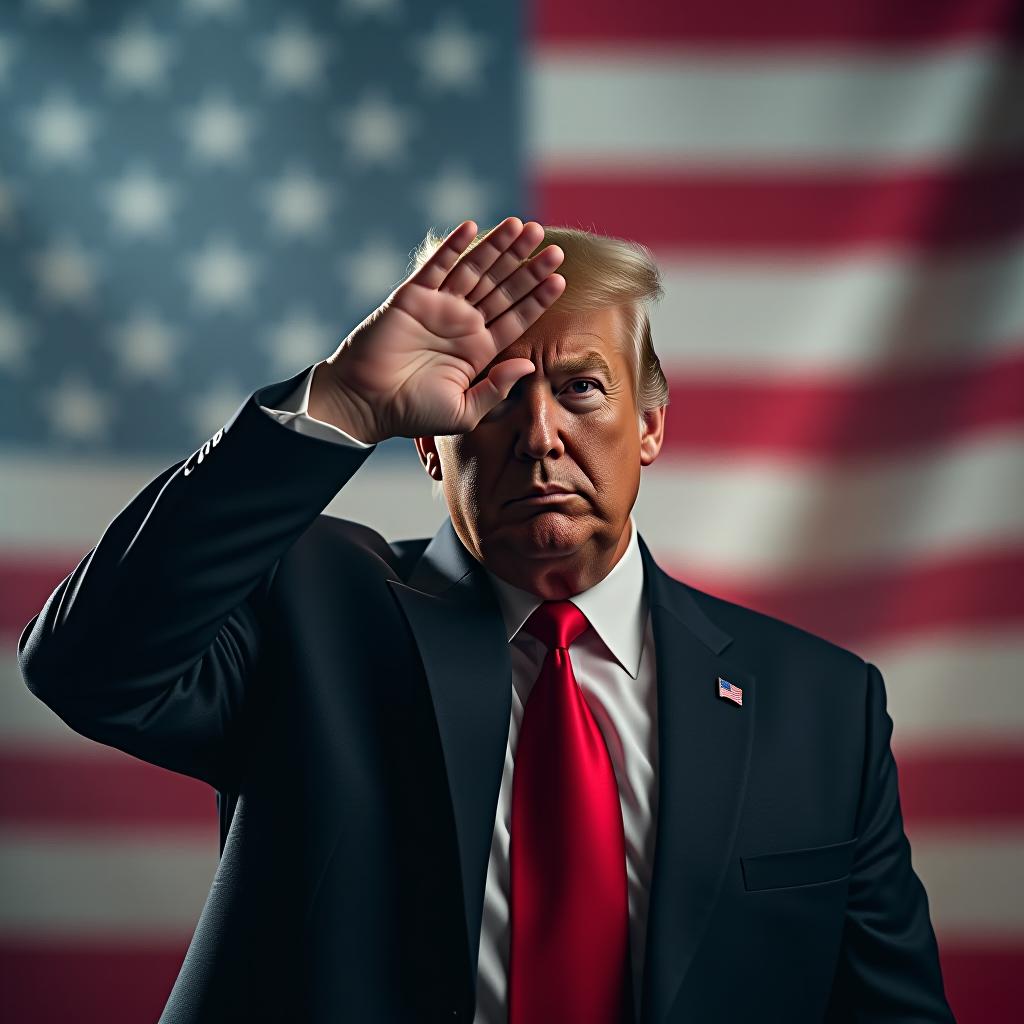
(349, 700)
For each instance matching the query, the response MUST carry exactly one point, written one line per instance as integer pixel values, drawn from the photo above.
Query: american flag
(201, 197)
(730, 692)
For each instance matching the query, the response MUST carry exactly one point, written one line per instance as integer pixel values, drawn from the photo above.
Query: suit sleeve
(888, 970)
(148, 644)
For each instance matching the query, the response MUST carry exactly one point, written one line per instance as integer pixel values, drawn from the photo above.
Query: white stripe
(760, 520)
(25, 721)
(757, 520)
(102, 885)
(972, 880)
(116, 884)
(777, 317)
(590, 110)
(953, 689)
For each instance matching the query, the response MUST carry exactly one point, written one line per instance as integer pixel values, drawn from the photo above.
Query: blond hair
(599, 271)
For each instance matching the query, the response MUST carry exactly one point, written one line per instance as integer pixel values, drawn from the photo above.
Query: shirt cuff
(294, 413)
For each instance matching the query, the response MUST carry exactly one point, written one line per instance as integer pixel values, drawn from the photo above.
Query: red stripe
(759, 209)
(59, 789)
(962, 590)
(971, 787)
(984, 981)
(97, 981)
(796, 22)
(108, 789)
(885, 413)
(91, 981)
(969, 589)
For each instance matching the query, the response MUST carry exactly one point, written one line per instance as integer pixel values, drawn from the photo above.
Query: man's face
(573, 423)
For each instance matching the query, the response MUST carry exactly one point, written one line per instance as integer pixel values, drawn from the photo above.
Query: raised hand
(407, 369)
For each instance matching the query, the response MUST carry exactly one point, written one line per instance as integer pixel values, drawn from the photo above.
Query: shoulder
(331, 537)
(766, 642)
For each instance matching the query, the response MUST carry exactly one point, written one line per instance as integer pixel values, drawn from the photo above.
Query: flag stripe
(885, 413)
(962, 788)
(857, 314)
(879, 606)
(794, 537)
(93, 980)
(98, 790)
(653, 23)
(744, 113)
(61, 979)
(103, 788)
(41, 896)
(857, 607)
(725, 209)
(924, 678)
(99, 882)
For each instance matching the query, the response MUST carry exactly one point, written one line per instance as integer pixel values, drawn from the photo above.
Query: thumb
(494, 388)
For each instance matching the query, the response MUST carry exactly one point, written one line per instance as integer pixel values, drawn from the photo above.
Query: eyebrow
(589, 360)
(585, 361)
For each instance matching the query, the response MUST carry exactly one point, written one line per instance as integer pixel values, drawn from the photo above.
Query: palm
(414, 360)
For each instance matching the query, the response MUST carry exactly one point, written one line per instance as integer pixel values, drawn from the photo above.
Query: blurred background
(202, 197)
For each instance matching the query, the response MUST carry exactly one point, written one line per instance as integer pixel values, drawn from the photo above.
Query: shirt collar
(614, 606)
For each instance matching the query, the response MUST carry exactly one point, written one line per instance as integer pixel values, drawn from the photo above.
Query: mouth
(545, 499)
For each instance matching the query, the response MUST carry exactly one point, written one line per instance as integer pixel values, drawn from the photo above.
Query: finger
(436, 269)
(532, 235)
(494, 388)
(521, 283)
(527, 311)
(469, 269)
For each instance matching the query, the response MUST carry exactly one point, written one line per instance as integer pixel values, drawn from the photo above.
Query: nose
(537, 417)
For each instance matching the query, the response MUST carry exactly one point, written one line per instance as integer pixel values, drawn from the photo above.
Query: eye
(582, 380)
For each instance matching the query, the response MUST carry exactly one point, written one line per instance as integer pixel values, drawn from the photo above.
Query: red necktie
(569, 959)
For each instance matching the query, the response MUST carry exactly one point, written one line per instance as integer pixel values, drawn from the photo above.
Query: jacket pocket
(789, 868)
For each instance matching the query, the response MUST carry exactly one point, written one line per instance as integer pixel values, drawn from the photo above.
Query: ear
(652, 433)
(426, 449)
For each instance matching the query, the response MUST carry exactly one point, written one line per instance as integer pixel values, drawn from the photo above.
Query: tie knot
(556, 623)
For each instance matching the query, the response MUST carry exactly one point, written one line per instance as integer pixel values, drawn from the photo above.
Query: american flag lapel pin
(730, 691)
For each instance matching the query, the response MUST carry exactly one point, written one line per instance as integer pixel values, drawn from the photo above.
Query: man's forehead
(570, 338)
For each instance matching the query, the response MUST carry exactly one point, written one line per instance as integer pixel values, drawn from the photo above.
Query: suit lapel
(451, 608)
(704, 744)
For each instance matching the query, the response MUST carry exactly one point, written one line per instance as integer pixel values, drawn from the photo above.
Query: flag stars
(77, 410)
(451, 57)
(454, 196)
(212, 408)
(136, 58)
(60, 8)
(60, 130)
(218, 130)
(221, 275)
(375, 130)
(298, 204)
(376, 7)
(14, 341)
(6, 60)
(213, 8)
(65, 274)
(146, 347)
(293, 58)
(7, 207)
(299, 340)
(140, 204)
(377, 270)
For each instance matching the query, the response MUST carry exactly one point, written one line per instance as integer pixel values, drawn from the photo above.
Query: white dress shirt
(613, 662)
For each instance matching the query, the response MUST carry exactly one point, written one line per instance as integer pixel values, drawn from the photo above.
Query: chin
(551, 534)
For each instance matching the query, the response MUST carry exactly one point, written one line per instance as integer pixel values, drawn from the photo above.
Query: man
(680, 810)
